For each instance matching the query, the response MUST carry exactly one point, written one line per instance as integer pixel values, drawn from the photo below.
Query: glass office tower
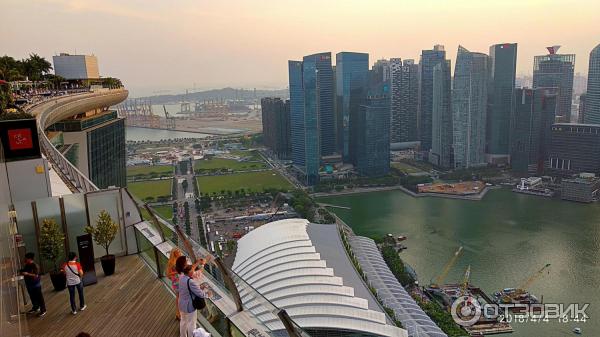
(469, 107)
(429, 59)
(592, 98)
(503, 66)
(556, 71)
(352, 71)
(318, 98)
(373, 137)
(404, 100)
(441, 122)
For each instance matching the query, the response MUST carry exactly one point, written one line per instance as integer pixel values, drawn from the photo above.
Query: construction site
(446, 294)
(460, 188)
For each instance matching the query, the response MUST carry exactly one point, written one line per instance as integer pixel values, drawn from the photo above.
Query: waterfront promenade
(361, 190)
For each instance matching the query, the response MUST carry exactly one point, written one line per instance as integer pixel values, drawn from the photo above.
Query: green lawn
(220, 163)
(151, 190)
(250, 182)
(406, 168)
(165, 211)
(150, 170)
(252, 155)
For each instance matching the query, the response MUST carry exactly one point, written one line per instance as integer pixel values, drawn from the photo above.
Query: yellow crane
(522, 289)
(464, 285)
(442, 276)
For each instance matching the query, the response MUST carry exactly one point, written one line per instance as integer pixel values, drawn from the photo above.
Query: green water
(506, 238)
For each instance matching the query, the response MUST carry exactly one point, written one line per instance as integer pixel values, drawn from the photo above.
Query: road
(181, 199)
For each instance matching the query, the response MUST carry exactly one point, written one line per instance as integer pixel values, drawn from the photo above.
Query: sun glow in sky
(178, 44)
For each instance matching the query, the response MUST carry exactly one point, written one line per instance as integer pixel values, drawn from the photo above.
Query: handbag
(197, 302)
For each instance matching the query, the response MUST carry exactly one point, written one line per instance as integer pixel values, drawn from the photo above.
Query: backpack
(197, 302)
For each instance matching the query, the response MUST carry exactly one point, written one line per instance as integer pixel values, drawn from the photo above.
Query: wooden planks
(132, 302)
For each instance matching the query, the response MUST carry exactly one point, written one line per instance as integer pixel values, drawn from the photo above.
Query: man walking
(33, 282)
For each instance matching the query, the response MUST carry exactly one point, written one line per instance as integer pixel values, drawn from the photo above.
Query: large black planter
(59, 280)
(108, 264)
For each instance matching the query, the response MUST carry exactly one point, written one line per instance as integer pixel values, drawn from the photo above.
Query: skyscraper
(592, 100)
(318, 98)
(404, 100)
(502, 67)
(530, 128)
(429, 59)
(373, 137)
(352, 71)
(469, 106)
(276, 125)
(582, 108)
(441, 121)
(556, 71)
(311, 113)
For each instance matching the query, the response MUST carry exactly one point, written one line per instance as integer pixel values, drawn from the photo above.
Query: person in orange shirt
(74, 273)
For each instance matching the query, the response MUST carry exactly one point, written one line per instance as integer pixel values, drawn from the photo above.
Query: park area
(149, 171)
(151, 190)
(248, 182)
(165, 211)
(220, 164)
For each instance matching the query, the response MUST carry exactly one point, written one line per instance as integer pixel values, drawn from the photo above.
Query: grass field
(250, 182)
(150, 170)
(220, 163)
(165, 211)
(151, 189)
(406, 168)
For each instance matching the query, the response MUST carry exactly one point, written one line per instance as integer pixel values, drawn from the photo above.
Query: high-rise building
(351, 75)
(575, 148)
(429, 59)
(276, 125)
(502, 72)
(592, 103)
(469, 107)
(76, 67)
(441, 121)
(373, 137)
(95, 143)
(581, 108)
(311, 113)
(556, 71)
(318, 98)
(379, 78)
(404, 100)
(530, 128)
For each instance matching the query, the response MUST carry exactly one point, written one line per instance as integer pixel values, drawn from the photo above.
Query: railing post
(287, 323)
(230, 283)
(158, 271)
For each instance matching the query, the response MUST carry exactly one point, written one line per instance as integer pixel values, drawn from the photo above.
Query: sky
(168, 46)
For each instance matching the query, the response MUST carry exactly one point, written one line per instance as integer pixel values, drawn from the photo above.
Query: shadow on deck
(132, 302)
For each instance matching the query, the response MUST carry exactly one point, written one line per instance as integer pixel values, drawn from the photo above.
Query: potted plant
(52, 243)
(103, 234)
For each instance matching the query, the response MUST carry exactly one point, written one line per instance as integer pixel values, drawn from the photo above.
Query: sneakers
(33, 311)
(42, 314)
(74, 312)
(83, 308)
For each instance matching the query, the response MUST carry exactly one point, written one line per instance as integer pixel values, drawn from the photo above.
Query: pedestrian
(189, 293)
(33, 283)
(173, 275)
(74, 273)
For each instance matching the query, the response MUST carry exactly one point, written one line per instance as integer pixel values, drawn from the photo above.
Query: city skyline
(195, 45)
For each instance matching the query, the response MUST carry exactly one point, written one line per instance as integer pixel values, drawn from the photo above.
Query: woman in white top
(74, 274)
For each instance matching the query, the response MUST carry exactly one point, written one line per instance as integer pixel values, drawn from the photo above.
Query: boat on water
(577, 331)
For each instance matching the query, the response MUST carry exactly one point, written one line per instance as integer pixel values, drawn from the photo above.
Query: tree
(35, 66)
(105, 230)
(52, 242)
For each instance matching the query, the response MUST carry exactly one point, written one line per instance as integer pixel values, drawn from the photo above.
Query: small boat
(577, 331)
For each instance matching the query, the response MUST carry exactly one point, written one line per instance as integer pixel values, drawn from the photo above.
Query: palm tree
(36, 66)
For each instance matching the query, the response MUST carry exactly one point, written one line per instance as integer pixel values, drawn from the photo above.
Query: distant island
(225, 93)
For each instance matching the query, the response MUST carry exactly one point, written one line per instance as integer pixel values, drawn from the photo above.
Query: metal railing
(47, 109)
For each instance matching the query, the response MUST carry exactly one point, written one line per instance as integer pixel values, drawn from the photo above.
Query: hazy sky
(178, 44)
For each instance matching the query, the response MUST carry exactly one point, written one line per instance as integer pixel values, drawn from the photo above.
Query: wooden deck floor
(132, 302)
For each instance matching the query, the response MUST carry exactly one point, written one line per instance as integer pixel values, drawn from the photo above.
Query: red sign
(20, 139)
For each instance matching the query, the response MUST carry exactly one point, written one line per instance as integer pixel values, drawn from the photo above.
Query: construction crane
(170, 119)
(464, 285)
(522, 289)
(442, 276)
(533, 278)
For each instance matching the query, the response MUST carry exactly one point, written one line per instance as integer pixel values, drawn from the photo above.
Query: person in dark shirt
(33, 283)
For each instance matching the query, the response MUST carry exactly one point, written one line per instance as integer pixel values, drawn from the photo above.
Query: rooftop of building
(304, 269)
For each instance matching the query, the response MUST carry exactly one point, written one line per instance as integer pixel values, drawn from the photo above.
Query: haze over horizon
(155, 46)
